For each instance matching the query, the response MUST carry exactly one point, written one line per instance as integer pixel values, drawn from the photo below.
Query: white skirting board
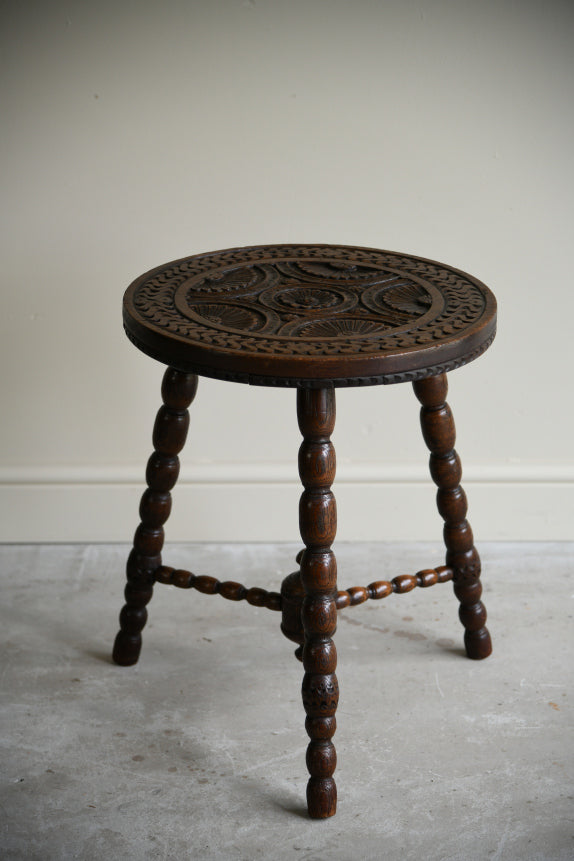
(259, 502)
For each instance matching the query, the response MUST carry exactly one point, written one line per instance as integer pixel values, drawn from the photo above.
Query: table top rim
(345, 265)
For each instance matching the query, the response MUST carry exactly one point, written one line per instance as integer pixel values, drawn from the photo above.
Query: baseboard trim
(279, 473)
(259, 502)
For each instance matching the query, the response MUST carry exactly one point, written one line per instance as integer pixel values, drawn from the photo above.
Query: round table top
(310, 315)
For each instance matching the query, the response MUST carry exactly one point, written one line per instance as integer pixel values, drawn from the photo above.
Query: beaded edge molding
(153, 301)
(296, 382)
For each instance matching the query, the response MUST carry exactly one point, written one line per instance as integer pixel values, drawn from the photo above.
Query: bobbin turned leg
(439, 434)
(318, 524)
(169, 434)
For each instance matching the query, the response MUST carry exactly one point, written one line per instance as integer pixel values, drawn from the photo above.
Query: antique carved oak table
(314, 318)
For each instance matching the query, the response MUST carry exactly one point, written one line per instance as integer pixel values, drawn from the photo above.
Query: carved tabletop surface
(310, 315)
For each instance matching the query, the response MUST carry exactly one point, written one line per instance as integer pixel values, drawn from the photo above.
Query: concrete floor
(199, 751)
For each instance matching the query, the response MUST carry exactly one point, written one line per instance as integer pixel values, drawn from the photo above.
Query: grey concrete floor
(199, 751)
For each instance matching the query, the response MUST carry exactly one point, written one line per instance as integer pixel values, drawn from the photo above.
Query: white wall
(137, 132)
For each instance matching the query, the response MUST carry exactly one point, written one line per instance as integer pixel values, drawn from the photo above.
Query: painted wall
(134, 133)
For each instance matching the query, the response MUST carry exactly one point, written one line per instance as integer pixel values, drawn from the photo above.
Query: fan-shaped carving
(336, 327)
(339, 270)
(230, 316)
(238, 280)
(407, 297)
(265, 306)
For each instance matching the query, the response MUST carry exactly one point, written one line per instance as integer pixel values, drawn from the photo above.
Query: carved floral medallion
(307, 301)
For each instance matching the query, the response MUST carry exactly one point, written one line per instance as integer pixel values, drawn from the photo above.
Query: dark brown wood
(318, 525)
(439, 434)
(401, 584)
(292, 594)
(310, 315)
(315, 317)
(212, 586)
(169, 434)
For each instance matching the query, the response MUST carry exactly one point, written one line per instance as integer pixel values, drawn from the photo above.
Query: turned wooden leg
(318, 524)
(439, 434)
(169, 434)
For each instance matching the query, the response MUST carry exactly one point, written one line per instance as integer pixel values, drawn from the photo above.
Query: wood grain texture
(318, 525)
(310, 315)
(314, 317)
(169, 435)
(438, 429)
(229, 589)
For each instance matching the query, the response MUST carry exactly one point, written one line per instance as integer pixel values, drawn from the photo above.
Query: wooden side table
(314, 318)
